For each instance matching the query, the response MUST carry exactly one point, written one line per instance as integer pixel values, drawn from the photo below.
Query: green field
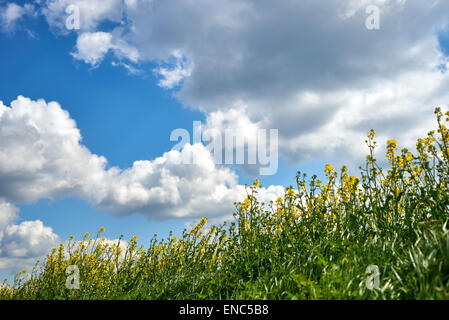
(322, 240)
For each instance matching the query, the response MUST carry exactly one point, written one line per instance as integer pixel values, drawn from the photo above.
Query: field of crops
(383, 234)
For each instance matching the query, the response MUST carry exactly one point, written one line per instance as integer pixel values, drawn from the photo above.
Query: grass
(322, 240)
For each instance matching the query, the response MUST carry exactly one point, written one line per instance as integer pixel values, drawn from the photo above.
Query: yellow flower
(87, 235)
(256, 182)
(409, 157)
(391, 147)
(101, 230)
(371, 134)
(392, 144)
(328, 168)
(246, 224)
(246, 203)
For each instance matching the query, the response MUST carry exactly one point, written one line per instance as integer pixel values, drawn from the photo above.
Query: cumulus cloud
(237, 135)
(42, 156)
(21, 244)
(93, 46)
(40, 153)
(8, 214)
(27, 239)
(173, 75)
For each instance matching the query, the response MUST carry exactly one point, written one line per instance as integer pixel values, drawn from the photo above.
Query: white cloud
(40, 152)
(131, 69)
(92, 12)
(173, 76)
(92, 47)
(28, 239)
(12, 13)
(41, 156)
(8, 214)
(22, 244)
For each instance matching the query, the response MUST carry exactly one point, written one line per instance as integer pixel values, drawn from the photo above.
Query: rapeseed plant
(315, 242)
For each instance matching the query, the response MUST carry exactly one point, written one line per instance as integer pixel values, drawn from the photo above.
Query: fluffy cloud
(8, 214)
(27, 239)
(92, 12)
(92, 47)
(308, 68)
(41, 156)
(21, 244)
(172, 76)
(40, 153)
(237, 134)
(11, 13)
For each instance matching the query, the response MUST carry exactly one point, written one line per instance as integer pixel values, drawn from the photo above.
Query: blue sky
(277, 68)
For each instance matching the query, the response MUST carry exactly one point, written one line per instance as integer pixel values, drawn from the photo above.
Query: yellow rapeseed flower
(328, 168)
(290, 192)
(246, 203)
(392, 144)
